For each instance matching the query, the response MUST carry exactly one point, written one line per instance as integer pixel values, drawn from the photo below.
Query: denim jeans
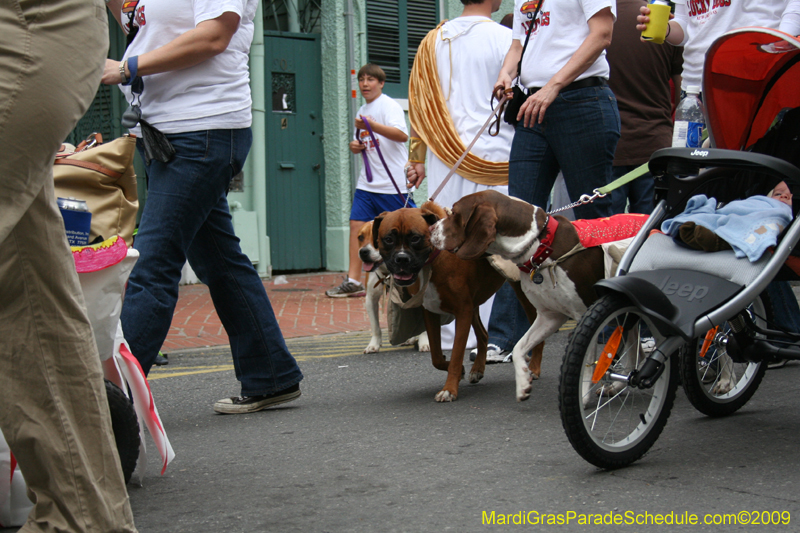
(785, 310)
(578, 136)
(186, 217)
(639, 191)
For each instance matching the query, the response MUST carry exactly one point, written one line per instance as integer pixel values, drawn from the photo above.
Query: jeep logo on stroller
(687, 290)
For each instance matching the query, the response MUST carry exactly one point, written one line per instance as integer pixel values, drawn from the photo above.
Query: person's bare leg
(354, 270)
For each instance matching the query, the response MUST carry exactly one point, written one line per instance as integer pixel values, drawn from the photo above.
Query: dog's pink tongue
(403, 277)
(367, 267)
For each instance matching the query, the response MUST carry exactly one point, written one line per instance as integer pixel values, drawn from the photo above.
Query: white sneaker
(494, 354)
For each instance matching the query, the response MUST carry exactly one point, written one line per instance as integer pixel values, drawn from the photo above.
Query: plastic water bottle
(689, 120)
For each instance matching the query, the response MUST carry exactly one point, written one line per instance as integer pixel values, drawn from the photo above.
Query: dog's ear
(479, 232)
(376, 224)
(430, 218)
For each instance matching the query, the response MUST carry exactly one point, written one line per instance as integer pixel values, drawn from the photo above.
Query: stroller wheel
(126, 428)
(715, 384)
(610, 423)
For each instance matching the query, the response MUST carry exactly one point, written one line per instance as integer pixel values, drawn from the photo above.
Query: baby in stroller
(747, 226)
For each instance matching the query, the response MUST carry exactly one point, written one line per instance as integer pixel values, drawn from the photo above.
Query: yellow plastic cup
(656, 30)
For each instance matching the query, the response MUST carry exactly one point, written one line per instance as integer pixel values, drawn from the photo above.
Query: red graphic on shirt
(699, 8)
(543, 20)
(367, 140)
(529, 7)
(528, 10)
(129, 6)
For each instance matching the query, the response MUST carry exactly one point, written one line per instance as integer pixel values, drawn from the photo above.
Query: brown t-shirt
(640, 74)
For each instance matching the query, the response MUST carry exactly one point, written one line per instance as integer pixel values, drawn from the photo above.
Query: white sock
(353, 280)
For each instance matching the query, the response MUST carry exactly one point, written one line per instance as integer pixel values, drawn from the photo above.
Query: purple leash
(367, 168)
(380, 155)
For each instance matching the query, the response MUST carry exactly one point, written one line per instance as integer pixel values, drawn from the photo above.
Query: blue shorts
(368, 205)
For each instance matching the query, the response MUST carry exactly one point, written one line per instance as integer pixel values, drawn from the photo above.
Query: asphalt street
(366, 449)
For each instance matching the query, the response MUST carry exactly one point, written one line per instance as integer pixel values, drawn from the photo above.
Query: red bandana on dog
(597, 231)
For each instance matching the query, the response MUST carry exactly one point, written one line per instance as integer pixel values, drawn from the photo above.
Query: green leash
(627, 178)
(603, 191)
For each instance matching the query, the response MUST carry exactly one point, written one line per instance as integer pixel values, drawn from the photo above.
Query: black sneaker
(251, 404)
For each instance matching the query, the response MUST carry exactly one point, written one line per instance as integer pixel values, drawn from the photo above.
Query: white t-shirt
(214, 94)
(386, 111)
(703, 22)
(475, 49)
(558, 32)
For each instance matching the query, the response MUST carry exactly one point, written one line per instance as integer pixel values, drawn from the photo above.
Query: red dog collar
(544, 250)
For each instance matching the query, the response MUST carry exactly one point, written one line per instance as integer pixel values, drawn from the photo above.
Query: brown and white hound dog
(558, 274)
(451, 285)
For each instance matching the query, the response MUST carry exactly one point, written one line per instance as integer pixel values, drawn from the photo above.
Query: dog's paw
(475, 376)
(373, 346)
(534, 375)
(423, 345)
(445, 396)
(610, 389)
(523, 394)
(410, 342)
(723, 386)
(524, 387)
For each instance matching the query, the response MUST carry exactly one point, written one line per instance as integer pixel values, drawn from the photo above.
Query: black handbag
(520, 94)
(518, 98)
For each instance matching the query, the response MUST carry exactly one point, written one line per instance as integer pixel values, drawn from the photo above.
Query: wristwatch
(122, 74)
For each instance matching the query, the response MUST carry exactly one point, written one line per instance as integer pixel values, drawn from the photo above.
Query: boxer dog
(446, 283)
(558, 277)
(372, 263)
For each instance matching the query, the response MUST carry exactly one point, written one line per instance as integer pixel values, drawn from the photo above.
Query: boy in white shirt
(379, 188)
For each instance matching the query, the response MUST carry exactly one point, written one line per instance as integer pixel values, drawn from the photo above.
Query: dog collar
(545, 249)
(434, 254)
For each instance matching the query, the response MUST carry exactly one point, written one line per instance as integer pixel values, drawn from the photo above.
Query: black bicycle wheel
(126, 428)
(714, 383)
(609, 423)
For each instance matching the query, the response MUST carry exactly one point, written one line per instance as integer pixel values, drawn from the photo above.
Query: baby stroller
(675, 310)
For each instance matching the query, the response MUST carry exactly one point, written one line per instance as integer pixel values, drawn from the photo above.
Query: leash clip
(584, 199)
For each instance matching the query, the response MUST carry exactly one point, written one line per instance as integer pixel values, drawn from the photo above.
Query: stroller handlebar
(690, 161)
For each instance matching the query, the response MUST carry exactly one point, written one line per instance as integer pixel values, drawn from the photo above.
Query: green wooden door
(295, 173)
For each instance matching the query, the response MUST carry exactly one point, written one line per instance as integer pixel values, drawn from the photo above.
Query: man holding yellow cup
(657, 28)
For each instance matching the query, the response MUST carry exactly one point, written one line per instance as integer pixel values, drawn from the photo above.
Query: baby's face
(782, 193)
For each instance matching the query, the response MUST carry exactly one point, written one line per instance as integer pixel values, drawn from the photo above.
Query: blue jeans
(639, 191)
(785, 310)
(578, 136)
(186, 217)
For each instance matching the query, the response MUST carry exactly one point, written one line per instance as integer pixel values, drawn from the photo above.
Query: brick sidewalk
(300, 305)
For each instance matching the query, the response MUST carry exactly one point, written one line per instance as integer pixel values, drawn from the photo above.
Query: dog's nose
(402, 259)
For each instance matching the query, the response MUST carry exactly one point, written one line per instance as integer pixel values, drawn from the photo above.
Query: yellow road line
(352, 346)
(159, 375)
